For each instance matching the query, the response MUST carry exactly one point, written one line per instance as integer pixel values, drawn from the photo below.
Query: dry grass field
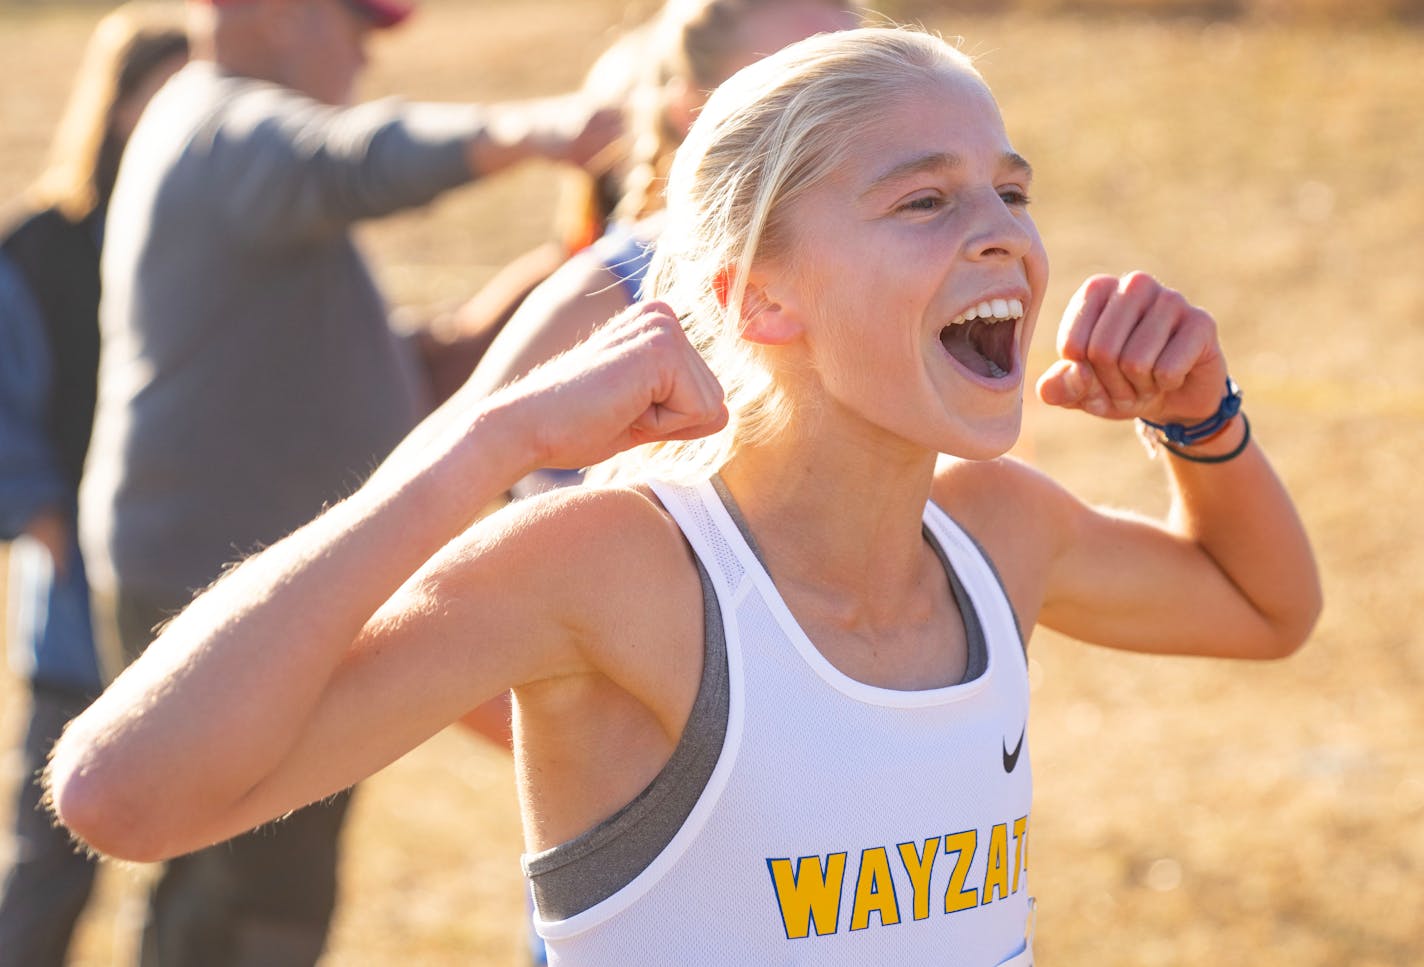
(1188, 812)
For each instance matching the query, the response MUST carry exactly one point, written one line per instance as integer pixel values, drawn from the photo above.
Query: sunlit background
(1265, 157)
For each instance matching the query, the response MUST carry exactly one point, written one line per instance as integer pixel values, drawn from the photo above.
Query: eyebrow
(937, 161)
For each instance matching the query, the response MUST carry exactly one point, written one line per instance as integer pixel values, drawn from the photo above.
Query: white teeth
(997, 371)
(996, 309)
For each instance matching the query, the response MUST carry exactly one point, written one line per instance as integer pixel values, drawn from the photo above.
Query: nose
(999, 231)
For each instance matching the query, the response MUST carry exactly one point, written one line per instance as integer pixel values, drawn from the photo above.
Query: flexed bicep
(1128, 582)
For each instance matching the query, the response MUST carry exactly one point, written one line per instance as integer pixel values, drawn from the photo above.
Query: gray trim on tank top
(574, 876)
(1003, 589)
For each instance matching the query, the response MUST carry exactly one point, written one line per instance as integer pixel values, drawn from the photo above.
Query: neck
(235, 38)
(845, 520)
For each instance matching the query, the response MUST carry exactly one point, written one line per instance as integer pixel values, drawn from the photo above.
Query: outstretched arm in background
(310, 169)
(569, 128)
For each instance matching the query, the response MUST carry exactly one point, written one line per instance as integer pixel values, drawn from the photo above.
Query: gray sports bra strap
(574, 876)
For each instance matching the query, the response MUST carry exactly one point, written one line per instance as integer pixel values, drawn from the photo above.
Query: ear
(766, 321)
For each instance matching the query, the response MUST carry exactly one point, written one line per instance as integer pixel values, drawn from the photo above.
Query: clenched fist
(636, 380)
(1131, 347)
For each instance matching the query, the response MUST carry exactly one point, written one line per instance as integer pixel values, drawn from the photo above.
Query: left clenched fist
(1131, 347)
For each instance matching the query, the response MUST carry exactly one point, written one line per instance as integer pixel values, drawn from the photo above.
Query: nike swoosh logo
(1011, 759)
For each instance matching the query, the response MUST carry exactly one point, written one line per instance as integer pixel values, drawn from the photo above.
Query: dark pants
(49, 881)
(262, 899)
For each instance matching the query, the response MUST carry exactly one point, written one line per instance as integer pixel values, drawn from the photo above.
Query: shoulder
(602, 584)
(623, 243)
(206, 113)
(988, 492)
(584, 277)
(577, 296)
(194, 98)
(1019, 516)
(18, 219)
(607, 520)
(621, 527)
(580, 550)
(565, 308)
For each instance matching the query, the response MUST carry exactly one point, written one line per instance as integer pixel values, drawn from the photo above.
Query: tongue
(958, 340)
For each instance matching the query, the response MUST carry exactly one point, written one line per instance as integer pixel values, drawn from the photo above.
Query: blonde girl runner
(769, 707)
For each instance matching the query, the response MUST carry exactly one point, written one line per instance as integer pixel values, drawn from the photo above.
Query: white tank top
(843, 823)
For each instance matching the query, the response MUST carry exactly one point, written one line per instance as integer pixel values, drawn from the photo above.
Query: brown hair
(125, 48)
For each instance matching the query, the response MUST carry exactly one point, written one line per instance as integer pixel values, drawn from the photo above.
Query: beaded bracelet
(1187, 436)
(1174, 436)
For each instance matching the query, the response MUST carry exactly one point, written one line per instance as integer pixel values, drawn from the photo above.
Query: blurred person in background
(249, 374)
(49, 357)
(688, 49)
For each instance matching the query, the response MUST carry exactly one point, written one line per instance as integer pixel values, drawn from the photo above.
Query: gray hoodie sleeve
(292, 169)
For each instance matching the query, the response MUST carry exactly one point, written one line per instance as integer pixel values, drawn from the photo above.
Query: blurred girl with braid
(690, 48)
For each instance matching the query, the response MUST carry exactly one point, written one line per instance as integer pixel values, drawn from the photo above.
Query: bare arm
(568, 128)
(1229, 572)
(562, 311)
(292, 168)
(299, 673)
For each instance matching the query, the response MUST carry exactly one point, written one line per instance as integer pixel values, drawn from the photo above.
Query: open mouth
(982, 337)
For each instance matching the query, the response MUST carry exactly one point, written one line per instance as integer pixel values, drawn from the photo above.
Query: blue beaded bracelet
(1180, 435)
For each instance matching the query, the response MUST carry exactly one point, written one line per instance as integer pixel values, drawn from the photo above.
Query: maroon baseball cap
(381, 13)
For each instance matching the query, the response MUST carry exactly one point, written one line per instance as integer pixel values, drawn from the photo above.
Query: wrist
(1191, 434)
(504, 440)
(505, 139)
(1226, 445)
(1220, 437)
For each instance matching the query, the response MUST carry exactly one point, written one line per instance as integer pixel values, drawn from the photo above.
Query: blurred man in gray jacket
(248, 373)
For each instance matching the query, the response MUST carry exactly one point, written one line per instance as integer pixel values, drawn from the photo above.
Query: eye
(922, 203)
(1014, 196)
